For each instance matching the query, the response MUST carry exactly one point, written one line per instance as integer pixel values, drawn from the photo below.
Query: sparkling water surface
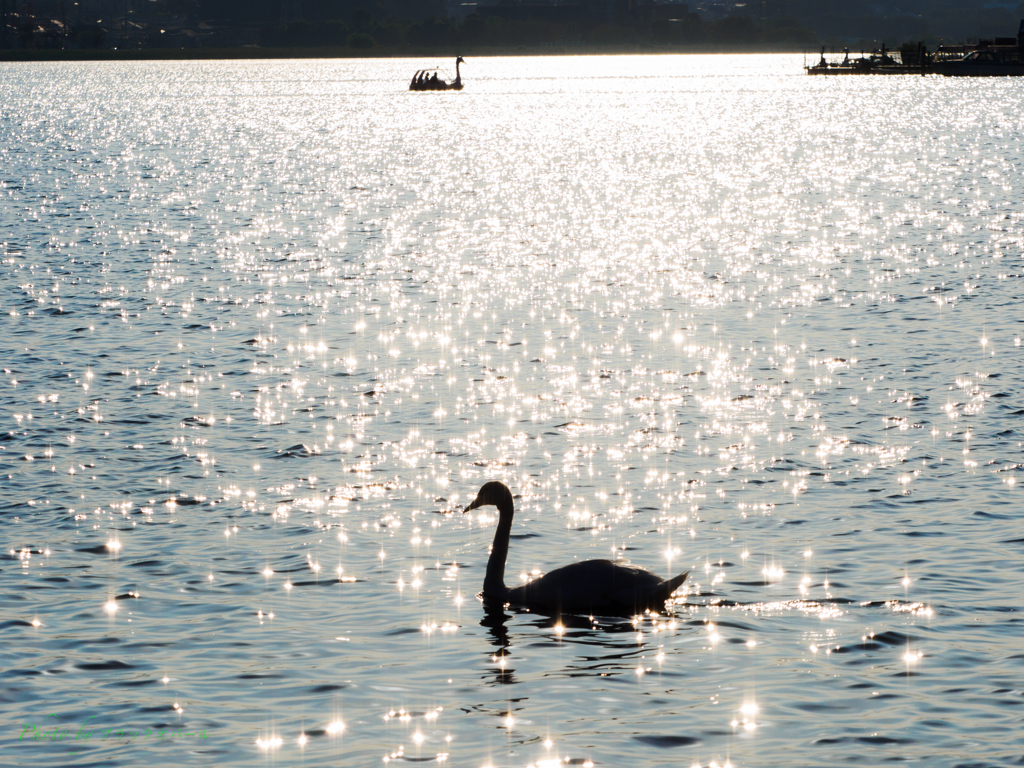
(268, 326)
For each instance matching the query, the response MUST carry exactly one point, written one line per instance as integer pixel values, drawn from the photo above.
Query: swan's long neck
(494, 580)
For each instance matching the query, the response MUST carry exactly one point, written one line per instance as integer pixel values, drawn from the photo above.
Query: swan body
(591, 586)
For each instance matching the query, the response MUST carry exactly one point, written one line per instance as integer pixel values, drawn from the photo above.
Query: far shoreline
(379, 52)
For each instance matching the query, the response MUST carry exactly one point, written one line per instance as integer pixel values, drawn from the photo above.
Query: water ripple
(267, 325)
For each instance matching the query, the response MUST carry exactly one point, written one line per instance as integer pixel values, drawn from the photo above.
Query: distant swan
(591, 586)
(422, 82)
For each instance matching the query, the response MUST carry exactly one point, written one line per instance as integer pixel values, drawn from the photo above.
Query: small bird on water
(591, 586)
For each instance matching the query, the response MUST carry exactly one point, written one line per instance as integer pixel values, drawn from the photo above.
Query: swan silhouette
(422, 82)
(456, 84)
(590, 586)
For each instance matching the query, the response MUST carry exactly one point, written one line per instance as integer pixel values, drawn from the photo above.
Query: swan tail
(666, 588)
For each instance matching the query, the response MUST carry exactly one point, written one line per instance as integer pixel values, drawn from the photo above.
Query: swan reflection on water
(616, 647)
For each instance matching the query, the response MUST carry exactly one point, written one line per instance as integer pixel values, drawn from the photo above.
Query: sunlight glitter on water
(698, 312)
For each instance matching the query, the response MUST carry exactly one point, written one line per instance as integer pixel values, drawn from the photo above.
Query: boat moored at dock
(880, 62)
(1001, 57)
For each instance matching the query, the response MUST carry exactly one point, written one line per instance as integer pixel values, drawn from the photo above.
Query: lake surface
(268, 326)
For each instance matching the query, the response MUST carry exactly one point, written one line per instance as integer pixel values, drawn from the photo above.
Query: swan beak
(473, 505)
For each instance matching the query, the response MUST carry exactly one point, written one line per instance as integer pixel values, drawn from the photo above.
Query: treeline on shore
(494, 27)
(477, 31)
(207, 28)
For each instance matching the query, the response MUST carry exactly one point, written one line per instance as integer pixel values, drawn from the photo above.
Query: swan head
(493, 493)
(460, 60)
